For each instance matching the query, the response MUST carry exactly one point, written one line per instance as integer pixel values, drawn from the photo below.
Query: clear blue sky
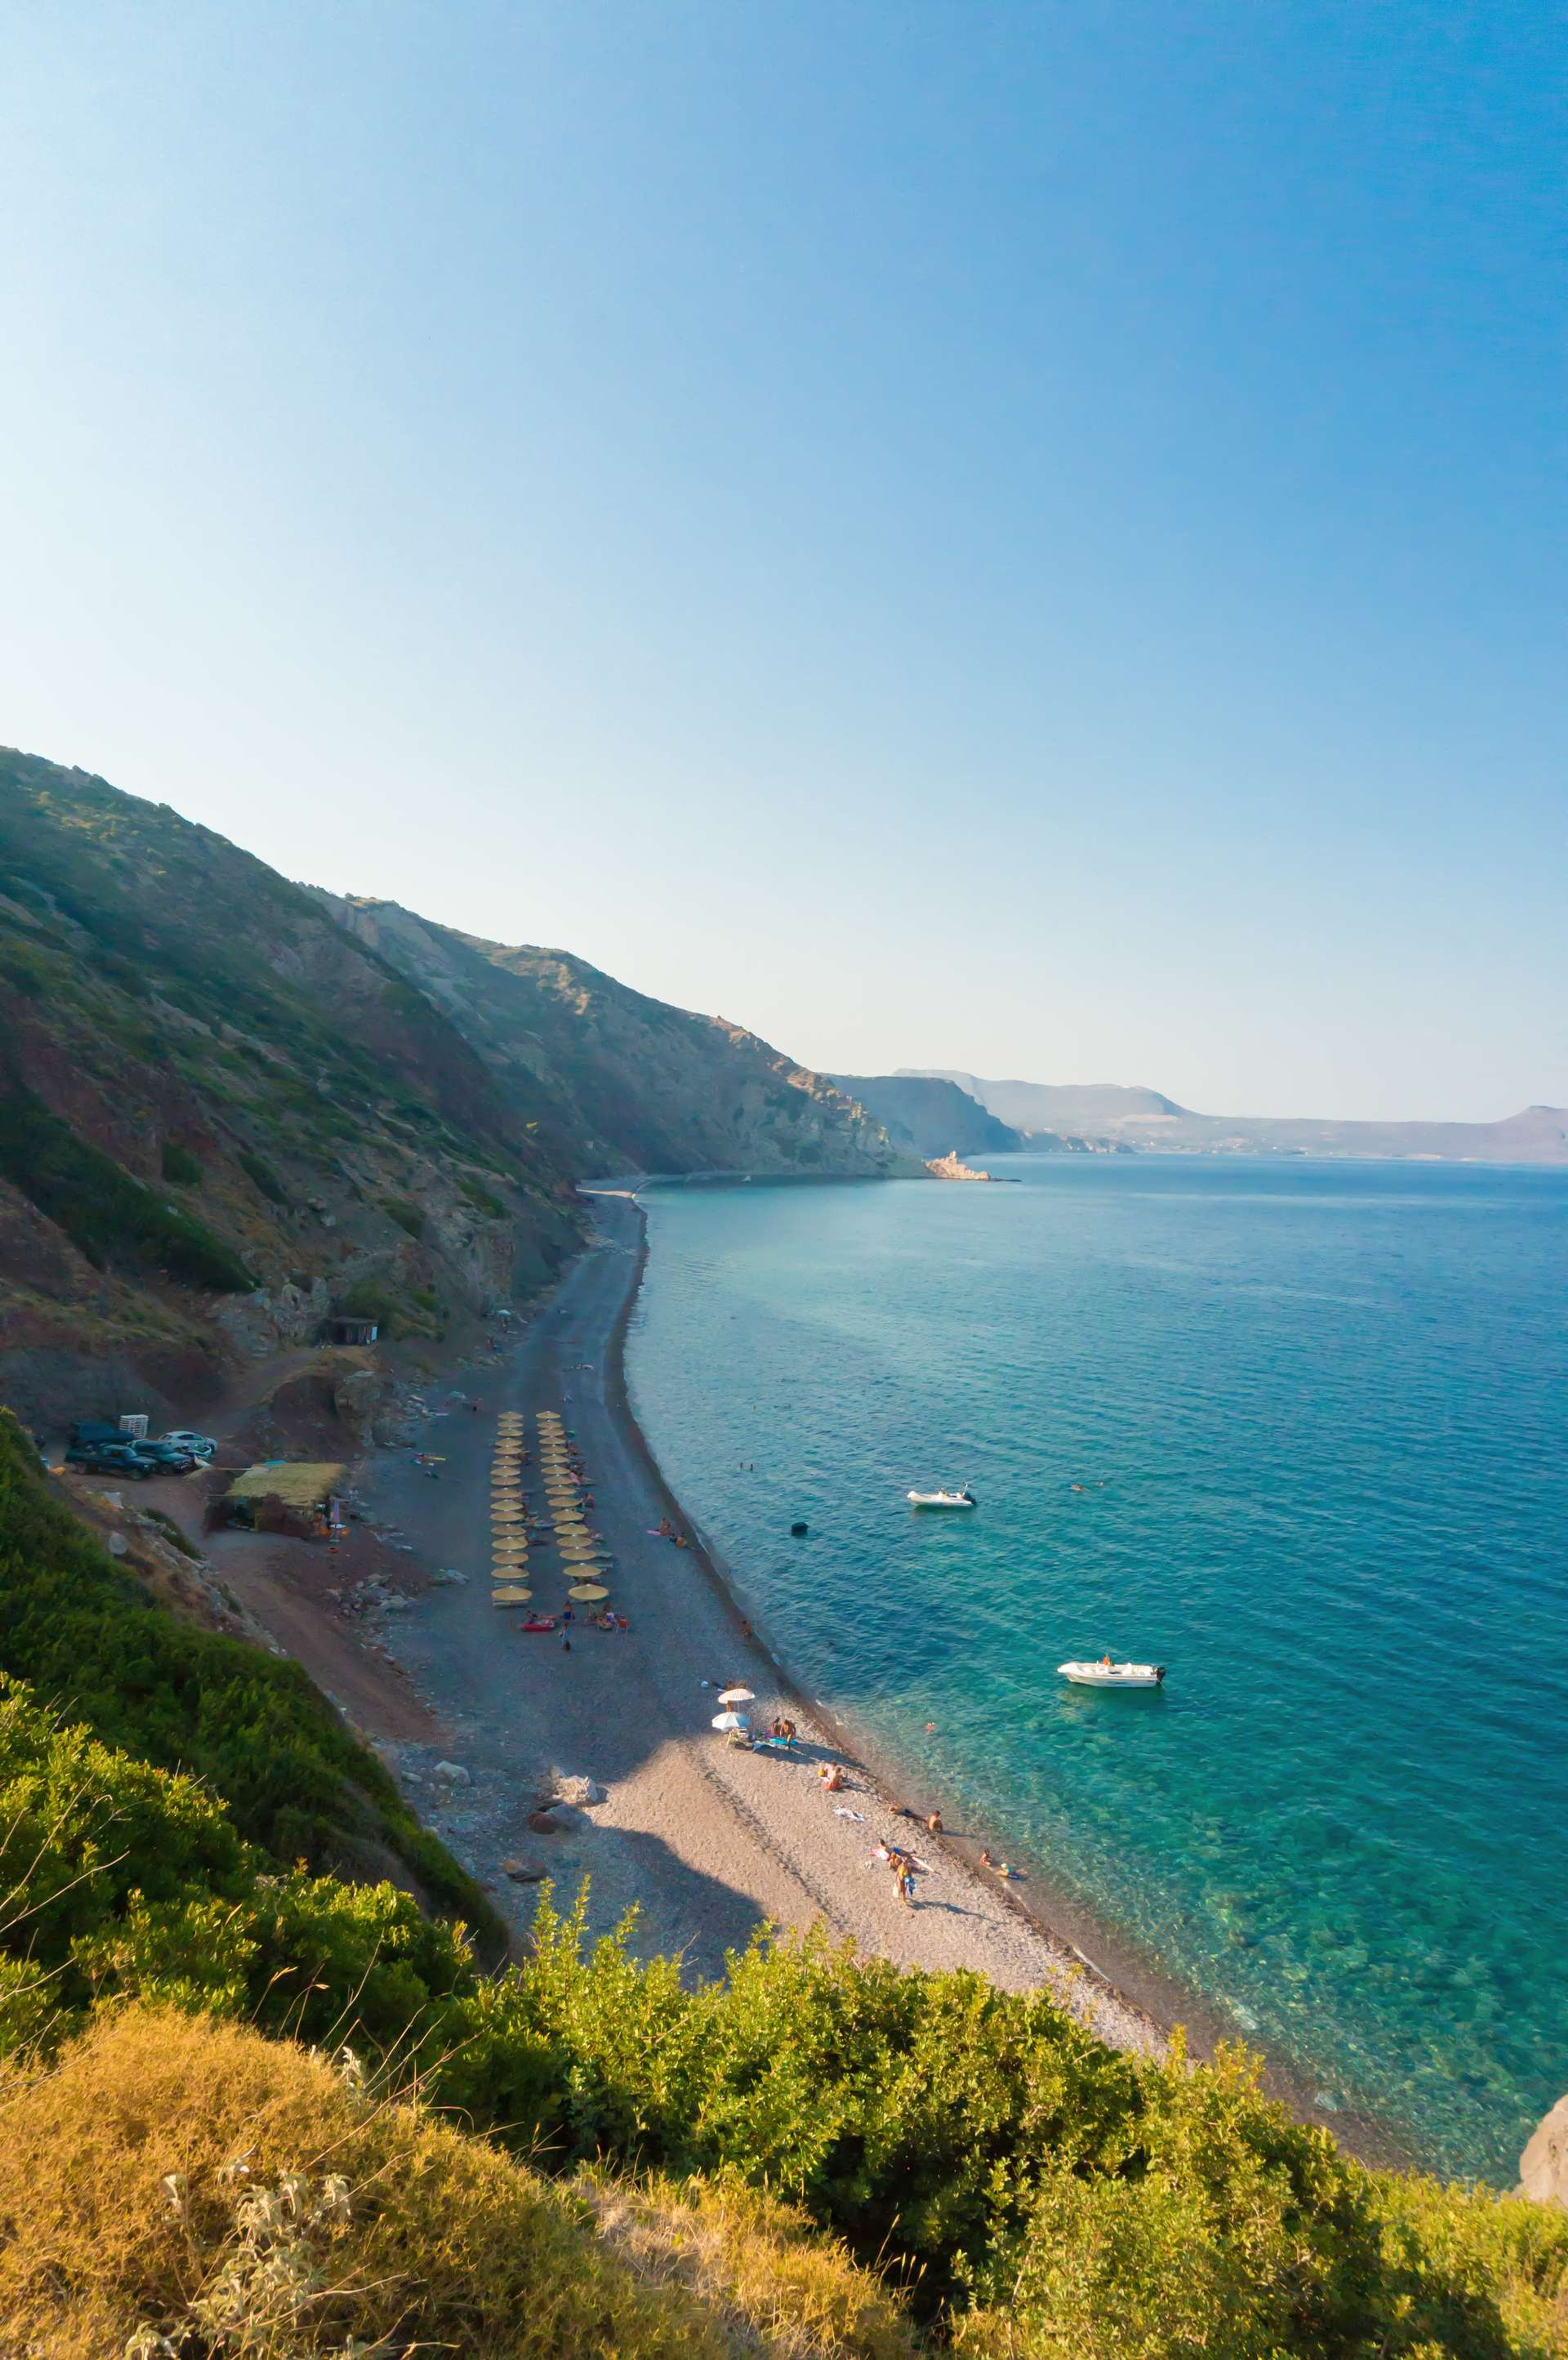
(950, 531)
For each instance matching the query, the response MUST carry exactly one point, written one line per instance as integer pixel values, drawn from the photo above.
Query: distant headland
(1106, 1116)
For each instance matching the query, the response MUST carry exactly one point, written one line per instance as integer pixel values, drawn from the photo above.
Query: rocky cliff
(618, 1081)
(230, 1105)
(221, 1116)
(934, 1117)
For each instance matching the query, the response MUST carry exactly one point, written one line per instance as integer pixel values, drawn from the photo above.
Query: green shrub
(85, 1635)
(113, 1219)
(482, 1198)
(261, 1175)
(1066, 2199)
(407, 1216)
(181, 1167)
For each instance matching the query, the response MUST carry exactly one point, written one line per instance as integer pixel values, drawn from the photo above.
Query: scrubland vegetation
(252, 2108)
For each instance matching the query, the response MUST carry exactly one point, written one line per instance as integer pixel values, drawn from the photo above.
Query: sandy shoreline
(704, 1841)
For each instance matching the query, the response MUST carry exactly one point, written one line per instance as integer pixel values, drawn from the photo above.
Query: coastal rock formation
(931, 1115)
(948, 1167)
(616, 1081)
(1543, 2166)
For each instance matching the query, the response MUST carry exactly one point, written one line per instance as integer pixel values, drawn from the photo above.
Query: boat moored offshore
(1105, 1673)
(963, 1498)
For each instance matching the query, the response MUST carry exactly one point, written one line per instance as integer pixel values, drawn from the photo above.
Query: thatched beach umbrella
(514, 1595)
(588, 1593)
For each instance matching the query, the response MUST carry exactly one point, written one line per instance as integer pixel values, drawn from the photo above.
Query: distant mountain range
(1145, 1118)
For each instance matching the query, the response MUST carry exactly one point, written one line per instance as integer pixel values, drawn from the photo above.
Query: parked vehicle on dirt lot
(165, 1457)
(111, 1459)
(200, 1445)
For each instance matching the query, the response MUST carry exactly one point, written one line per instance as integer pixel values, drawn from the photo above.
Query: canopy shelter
(512, 1595)
(738, 1696)
(588, 1591)
(282, 1492)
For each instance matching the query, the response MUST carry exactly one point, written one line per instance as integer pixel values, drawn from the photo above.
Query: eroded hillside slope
(221, 1117)
(632, 1082)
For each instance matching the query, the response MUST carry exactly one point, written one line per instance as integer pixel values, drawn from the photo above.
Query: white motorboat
(963, 1498)
(1107, 1675)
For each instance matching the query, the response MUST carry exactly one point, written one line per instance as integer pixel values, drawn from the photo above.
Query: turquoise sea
(1320, 1415)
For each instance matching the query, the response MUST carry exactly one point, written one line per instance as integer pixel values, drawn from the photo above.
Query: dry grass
(182, 2179)
(781, 2289)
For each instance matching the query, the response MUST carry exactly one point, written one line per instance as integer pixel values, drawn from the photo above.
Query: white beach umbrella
(738, 1696)
(728, 1721)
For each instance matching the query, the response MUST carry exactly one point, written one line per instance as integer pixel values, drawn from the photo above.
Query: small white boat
(1107, 1675)
(960, 1499)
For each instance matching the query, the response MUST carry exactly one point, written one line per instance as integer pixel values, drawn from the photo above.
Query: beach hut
(281, 1495)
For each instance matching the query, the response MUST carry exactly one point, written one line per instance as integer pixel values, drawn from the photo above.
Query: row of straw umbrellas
(580, 1554)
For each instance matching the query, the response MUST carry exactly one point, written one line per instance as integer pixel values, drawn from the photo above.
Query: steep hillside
(631, 1083)
(934, 1116)
(221, 1116)
(1140, 1117)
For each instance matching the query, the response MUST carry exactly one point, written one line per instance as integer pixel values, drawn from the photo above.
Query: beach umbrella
(730, 1721)
(736, 1696)
(512, 1597)
(588, 1590)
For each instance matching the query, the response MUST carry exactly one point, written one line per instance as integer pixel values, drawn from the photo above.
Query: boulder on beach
(578, 1791)
(453, 1774)
(1543, 2166)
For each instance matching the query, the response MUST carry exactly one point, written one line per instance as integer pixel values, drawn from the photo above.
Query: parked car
(200, 1445)
(111, 1459)
(165, 1457)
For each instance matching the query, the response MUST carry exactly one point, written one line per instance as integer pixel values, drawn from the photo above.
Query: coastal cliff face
(221, 1118)
(617, 1081)
(231, 1105)
(934, 1117)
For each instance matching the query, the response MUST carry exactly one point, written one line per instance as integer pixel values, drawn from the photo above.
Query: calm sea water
(1320, 1415)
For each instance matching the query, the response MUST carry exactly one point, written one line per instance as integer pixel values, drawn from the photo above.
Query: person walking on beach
(904, 1878)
